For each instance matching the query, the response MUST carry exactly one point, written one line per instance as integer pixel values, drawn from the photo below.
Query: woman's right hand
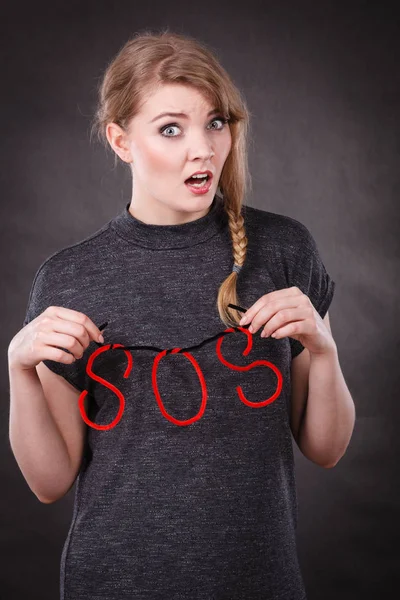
(55, 326)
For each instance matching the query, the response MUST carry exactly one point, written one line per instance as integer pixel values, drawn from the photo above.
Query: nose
(201, 148)
(204, 154)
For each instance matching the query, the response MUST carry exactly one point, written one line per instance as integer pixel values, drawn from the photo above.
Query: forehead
(175, 98)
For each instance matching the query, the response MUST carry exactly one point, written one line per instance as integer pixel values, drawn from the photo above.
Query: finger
(63, 341)
(283, 317)
(267, 312)
(78, 317)
(58, 355)
(271, 296)
(294, 328)
(76, 330)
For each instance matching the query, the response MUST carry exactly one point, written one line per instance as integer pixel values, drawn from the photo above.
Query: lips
(210, 175)
(203, 189)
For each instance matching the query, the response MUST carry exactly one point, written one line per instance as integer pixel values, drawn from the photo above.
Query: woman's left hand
(289, 312)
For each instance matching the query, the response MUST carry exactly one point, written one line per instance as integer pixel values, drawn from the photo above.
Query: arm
(329, 414)
(36, 441)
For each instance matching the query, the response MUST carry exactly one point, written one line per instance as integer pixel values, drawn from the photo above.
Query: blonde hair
(151, 59)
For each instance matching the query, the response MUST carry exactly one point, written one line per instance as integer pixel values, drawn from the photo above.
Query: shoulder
(60, 276)
(66, 260)
(282, 232)
(67, 276)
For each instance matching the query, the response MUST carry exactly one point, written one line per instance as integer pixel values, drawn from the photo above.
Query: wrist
(330, 352)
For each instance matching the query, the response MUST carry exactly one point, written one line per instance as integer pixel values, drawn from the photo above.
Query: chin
(194, 205)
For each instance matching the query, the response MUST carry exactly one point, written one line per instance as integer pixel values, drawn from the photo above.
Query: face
(165, 151)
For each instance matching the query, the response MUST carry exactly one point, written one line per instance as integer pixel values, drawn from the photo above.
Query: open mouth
(198, 182)
(199, 186)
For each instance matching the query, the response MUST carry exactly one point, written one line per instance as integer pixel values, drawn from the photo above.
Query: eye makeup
(218, 118)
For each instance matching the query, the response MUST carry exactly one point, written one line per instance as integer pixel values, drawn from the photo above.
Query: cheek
(225, 146)
(158, 159)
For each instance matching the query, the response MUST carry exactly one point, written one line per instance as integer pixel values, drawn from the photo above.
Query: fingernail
(101, 339)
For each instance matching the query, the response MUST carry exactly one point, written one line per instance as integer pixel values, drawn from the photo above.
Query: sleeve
(42, 295)
(311, 277)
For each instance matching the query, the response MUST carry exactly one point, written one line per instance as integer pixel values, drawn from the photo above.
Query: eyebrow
(180, 114)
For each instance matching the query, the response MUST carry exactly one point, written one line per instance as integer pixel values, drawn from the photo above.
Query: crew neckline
(163, 237)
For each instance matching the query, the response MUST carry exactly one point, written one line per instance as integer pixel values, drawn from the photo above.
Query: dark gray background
(322, 82)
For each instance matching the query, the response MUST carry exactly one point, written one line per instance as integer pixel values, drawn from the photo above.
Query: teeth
(199, 176)
(200, 184)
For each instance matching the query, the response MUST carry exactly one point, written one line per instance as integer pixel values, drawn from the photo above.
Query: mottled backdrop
(322, 83)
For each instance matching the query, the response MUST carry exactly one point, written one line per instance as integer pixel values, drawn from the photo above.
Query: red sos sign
(196, 367)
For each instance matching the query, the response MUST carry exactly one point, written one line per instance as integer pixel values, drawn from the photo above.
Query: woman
(191, 494)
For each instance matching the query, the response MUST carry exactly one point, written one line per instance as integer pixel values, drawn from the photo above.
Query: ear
(118, 141)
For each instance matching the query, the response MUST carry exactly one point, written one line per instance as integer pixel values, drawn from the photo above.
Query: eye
(171, 125)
